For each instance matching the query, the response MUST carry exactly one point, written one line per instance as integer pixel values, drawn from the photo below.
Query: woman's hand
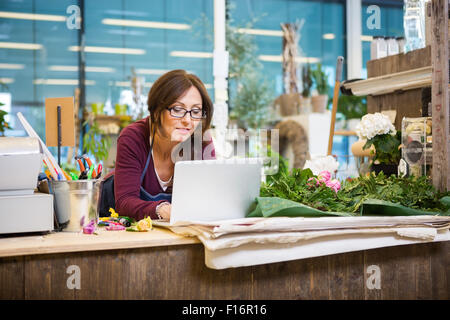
(164, 211)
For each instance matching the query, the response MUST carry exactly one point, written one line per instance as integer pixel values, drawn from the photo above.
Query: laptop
(211, 190)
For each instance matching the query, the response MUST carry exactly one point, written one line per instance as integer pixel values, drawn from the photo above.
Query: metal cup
(76, 203)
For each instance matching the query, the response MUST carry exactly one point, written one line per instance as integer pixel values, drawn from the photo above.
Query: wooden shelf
(344, 133)
(400, 81)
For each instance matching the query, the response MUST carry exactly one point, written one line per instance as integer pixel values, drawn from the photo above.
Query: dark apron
(144, 195)
(107, 199)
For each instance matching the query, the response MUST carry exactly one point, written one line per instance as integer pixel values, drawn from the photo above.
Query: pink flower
(333, 184)
(324, 176)
(314, 181)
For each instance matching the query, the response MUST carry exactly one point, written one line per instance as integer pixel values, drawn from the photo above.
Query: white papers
(253, 241)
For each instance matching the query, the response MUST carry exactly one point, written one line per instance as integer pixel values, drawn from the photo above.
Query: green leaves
(320, 80)
(352, 107)
(95, 143)
(416, 194)
(387, 148)
(3, 124)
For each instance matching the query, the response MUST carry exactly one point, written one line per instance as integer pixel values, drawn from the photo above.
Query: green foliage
(387, 148)
(252, 102)
(95, 143)
(352, 107)
(3, 124)
(250, 92)
(70, 168)
(411, 192)
(320, 79)
(307, 80)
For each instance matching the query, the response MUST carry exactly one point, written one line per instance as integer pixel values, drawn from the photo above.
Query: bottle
(392, 46)
(374, 48)
(382, 47)
(401, 44)
(414, 24)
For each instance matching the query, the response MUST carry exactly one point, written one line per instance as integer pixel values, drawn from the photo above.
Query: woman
(179, 105)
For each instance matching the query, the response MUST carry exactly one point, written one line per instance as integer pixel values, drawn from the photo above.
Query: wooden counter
(62, 242)
(162, 265)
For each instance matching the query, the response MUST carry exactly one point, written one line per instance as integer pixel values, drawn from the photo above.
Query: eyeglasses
(178, 112)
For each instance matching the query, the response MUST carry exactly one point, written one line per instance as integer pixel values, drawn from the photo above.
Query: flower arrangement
(324, 178)
(378, 130)
(321, 164)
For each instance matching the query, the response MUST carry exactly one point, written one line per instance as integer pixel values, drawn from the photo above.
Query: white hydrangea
(321, 163)
(374, 124)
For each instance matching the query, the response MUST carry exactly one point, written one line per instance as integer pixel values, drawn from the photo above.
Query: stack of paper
(253, 241)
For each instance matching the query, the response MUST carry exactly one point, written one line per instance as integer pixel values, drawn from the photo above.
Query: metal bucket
(76, 203)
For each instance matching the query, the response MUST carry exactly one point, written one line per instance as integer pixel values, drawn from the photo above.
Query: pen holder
(76, 203)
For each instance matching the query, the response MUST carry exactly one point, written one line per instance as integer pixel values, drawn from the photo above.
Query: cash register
(22, 209)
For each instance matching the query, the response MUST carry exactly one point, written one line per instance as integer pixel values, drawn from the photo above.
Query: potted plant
(353, 108)
(320, 101)
(378, 131)
(3, 124)
(95, 142)
(307, 83)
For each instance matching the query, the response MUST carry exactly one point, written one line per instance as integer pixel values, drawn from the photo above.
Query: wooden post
(440, 94)
(291, 37)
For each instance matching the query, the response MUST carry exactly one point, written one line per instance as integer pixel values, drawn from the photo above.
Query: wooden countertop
(60, 242)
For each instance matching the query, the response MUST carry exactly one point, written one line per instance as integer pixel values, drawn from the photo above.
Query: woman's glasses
(178, 112)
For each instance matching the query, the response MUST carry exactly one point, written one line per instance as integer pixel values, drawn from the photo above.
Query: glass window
(322, 35)
(391, 25)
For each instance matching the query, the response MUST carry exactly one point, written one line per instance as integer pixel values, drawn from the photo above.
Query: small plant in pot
(378, 130)
(353, 108)
(320, 78)
(3, 124)
(307, 83)
(95, 142)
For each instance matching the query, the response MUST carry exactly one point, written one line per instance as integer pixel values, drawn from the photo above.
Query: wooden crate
(407, 103)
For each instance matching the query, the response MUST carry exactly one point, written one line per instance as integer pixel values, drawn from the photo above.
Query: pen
(80, 163)
(99, 170)
(47, 173)
(53, 176)
(91, 170)
(83, 175)
(58, 175)
(89, 162)
(73, 176)
(66, 175)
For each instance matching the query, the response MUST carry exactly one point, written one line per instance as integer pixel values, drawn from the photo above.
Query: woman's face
(179, 129)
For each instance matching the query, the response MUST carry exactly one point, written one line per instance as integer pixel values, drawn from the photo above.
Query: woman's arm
(127, 181)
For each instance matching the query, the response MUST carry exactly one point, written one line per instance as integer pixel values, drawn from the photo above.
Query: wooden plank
(288, 280)
(12, 278)
(440, 95)
(407, 104)
(373, 258)
(404, 274)
(189, 278)
(400, 62)
(123, 274)
(178, 272)
(346, 276)
(319, 278)
(422, 269)
(440, 271)
(46, 278)
(105, 240)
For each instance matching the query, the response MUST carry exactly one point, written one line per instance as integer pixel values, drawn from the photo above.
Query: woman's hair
(168, 88)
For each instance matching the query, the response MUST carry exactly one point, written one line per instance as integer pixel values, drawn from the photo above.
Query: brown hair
(168, 88)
